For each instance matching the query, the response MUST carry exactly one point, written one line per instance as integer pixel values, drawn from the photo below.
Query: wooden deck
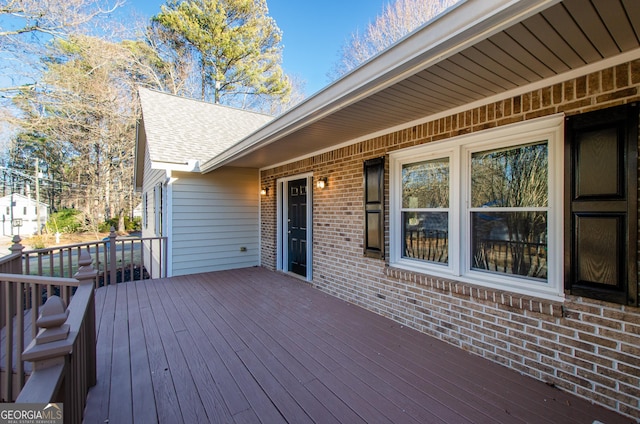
(251, 346)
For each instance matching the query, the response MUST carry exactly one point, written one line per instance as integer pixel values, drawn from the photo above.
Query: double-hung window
(484, 208)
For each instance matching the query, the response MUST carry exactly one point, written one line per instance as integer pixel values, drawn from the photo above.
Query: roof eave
(463, 26)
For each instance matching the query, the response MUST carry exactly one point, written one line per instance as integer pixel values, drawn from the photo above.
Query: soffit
(564, 37)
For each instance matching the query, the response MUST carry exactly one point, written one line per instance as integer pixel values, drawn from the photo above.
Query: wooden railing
(59, 363)
(511, 257)
(429, 245)
(11, 264)
(117, 259)
(63, 352)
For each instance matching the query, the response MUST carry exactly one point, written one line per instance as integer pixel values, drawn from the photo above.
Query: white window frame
(459, 150)
(158, 206)
(145, 211)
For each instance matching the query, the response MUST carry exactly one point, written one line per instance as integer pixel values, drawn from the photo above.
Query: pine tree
(235, 43)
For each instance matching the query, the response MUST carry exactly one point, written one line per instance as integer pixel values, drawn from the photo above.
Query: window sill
(502, 299)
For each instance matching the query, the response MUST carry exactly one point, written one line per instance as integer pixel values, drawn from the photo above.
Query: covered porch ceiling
(478, 52)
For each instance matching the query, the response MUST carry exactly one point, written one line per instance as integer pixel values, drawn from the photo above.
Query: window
(484, 208)
(425, 210)
(509, 207)
(145, 211)
(158, 212)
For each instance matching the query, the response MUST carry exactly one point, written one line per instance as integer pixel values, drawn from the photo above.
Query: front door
(297, 226)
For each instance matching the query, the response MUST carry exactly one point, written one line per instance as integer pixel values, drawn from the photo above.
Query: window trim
(145, 211)
(460, 148)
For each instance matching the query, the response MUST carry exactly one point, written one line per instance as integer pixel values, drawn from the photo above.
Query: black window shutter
(374, 208)
(601, 206)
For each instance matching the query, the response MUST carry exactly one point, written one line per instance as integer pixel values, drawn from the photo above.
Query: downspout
(168, 183)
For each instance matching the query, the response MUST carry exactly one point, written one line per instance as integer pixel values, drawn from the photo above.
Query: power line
(32, 177)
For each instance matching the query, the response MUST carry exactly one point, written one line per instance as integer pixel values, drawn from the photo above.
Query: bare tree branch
(396, 20)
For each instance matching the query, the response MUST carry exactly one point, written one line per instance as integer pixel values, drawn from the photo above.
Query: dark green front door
(297, 226)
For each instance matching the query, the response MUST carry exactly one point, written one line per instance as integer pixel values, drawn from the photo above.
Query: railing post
(86, 275)
(48, 352)
(112, 257)
(53, 314)
(17, 248)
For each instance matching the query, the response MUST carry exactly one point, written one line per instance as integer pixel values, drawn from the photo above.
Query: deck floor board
(251, 346)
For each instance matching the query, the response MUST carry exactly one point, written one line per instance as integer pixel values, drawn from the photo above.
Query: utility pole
(39, 230)
(13, 181)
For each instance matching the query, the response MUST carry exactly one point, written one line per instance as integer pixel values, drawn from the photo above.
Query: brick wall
(587, 347)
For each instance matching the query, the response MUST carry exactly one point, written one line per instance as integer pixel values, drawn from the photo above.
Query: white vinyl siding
(152, 177)
(214, 216)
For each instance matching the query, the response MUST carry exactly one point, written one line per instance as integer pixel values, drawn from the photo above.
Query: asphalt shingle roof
(179, 129)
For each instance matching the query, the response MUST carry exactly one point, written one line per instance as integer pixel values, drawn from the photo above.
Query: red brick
(622, 75)
(546, 97)
(557, 94)
(607, 80)
(517, 104)
(575, 379)
(600, 341)
(597, 378)
(615, 394)
(546, 369)
(635, 72)
(617, 95)
(593, 83)
(594, 359)
(569, 90)
(633, 318)
(574, 106)
(619, 376)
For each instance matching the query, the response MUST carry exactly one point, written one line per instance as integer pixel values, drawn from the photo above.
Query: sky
(313, 32)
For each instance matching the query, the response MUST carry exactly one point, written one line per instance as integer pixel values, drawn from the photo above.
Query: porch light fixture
(321, 183)
(264, 191)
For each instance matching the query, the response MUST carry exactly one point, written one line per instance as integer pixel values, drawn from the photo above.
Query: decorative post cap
(86, 273)
(16, 246)
(53, 314)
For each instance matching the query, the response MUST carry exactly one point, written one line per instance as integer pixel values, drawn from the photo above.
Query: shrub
(65, 221)
(129, 224)
(38, 242)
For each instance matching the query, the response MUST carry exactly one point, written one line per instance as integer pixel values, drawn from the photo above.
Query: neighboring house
(210, 220)
(477, 181)
(137, 211)
(20, 215)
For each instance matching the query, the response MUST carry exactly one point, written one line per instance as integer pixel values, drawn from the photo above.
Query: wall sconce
(321, 183)
(264, 191)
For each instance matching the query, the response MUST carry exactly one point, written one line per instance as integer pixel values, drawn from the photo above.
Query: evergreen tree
(235, 44)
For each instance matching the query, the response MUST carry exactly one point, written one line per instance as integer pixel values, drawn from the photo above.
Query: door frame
(282, 211)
